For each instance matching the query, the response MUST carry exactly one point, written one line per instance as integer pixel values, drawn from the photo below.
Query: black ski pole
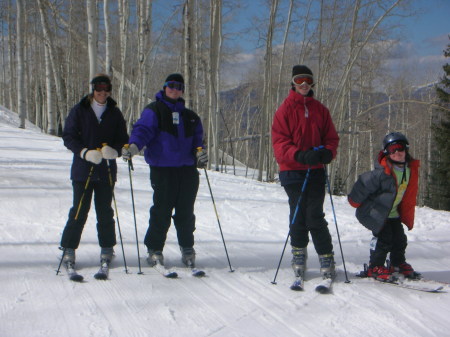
(78, 212)
(218, 221)
(130, 168)
(292, 222)
(117, 215)
(335, 222)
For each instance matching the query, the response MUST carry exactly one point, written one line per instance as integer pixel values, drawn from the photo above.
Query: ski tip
(198, 273)
(171, 274)
(296, 288)
(77, 278)
(323, 290)
(101, 276)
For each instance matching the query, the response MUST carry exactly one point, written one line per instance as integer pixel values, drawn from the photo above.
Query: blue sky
(429, 30)
(424, 36)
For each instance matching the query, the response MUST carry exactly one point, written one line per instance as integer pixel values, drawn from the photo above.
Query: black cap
(301, 70)
(101, 78)
(175, 77)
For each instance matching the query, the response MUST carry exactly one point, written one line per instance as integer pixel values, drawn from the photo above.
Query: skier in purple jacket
(173, 139)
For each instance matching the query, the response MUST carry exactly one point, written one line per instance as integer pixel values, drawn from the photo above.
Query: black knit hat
(301, 70)
(101, 78)
(175, 77)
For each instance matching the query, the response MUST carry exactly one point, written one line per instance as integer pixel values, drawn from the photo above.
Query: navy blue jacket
(83, 130)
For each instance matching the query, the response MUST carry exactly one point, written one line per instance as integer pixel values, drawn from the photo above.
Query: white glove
(202, 158)
(109, 153)
(93, 156)
(129, 151)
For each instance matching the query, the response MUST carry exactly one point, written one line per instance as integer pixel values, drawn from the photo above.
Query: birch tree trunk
(267, 92)
(108, 50)
(214, 78)
(91, 8)
(21, 94)
(281, 66)
(123, 24)
(144, 33)
(188, 41)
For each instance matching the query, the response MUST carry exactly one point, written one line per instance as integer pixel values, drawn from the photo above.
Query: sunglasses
(102, 87)
(391, 149)
(174, 85)
(301, 79)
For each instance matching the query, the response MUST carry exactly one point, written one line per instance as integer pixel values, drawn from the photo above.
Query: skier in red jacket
(304, 139)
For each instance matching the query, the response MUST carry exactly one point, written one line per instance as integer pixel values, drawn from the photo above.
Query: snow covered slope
(35, 194)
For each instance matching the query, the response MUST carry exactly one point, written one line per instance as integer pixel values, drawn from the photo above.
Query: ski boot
(327, 266)
(155, 257)
(69, 255)
(188, 256)
(106, 255)
(298, 262)
(380, 273)
(406, 270)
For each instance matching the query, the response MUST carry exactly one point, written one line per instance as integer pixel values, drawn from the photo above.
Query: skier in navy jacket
(95, 131)
(173, 138)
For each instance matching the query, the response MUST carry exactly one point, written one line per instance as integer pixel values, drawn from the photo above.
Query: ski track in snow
(35, 193)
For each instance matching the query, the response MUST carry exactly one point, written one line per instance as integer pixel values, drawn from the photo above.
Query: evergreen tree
(439, 192)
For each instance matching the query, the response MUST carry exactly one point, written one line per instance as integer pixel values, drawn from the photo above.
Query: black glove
(326, 156)
(309, 157)
(312, 157)
(202, 158)
(300, 157)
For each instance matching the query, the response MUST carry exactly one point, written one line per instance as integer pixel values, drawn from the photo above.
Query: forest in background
(51, 48)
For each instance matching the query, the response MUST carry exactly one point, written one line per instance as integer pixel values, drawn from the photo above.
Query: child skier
(385, 198)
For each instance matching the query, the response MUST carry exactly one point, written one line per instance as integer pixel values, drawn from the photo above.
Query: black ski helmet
(394, 138)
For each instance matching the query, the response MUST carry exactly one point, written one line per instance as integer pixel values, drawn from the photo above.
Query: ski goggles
(398, 147)
(301, 79)
(174, 85)
(102, 87)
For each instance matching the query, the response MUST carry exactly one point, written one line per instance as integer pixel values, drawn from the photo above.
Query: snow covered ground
(35, 194)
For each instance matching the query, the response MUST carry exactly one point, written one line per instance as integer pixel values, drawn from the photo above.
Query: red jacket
(301, 123)
(406, 208)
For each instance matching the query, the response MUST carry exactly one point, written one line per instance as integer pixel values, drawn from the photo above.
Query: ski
(167, 273)
(298, 284)
(418, 287)
(194, 271)
(324, 287)
(197, 272)
(103, 272)
(396, 281)
(73, 274)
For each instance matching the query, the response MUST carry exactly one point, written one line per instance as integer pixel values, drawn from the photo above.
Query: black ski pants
(175, 188)
(392, 238)
(310, 217)
(105, 215)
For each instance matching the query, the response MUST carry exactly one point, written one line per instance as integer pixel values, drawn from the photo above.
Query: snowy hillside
(35, 194)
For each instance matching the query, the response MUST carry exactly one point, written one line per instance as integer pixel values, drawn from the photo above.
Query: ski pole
(130, 168)
(117, 213)
(335, 222)
(294, 217)
(217, 215)
(78, 212)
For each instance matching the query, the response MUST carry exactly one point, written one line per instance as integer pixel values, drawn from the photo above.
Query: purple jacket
(82, 130)
(168, 144)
